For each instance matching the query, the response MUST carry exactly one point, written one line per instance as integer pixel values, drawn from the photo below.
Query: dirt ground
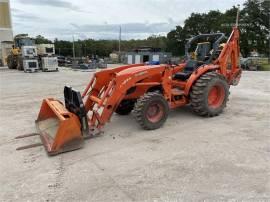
(189, 159)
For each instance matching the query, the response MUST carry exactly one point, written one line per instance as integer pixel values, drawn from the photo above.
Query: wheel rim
(216, 96)
(155, 112)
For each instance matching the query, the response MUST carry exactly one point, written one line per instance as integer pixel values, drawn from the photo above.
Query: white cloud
(101, 18)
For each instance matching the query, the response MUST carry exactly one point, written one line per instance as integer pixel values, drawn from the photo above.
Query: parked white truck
(26, 55)
(28, 59)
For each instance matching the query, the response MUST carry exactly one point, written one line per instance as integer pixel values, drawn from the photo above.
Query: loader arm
(106, 95)
(100, 82)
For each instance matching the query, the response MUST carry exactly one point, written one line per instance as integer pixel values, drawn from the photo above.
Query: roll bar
(220, 36)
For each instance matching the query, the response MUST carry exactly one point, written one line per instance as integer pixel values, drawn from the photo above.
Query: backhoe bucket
(59, 129)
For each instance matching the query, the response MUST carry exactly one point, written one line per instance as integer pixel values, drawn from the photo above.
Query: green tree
(176, 41)
(255, 32)
(253, 25)
(63, 47)
(42, 40)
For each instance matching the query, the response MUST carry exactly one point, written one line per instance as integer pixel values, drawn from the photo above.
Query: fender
(196, 74)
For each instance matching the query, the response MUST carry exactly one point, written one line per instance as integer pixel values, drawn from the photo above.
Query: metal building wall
(137, 57)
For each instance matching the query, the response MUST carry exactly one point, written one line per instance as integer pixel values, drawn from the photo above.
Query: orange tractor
(148, 91)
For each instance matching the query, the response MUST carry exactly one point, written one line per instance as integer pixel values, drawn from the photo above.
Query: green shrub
(265, 67)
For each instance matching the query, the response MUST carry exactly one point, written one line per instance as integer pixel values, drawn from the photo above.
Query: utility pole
(119, 43)
(73, 48)
(237, 16)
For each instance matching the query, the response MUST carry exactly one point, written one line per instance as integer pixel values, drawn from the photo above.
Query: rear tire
(125, 107)
(151, 111)
(209, 94)
(11, 62)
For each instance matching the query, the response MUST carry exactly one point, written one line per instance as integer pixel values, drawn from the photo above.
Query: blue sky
(100, 19)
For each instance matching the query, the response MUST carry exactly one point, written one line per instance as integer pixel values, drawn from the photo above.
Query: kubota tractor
(149, 91)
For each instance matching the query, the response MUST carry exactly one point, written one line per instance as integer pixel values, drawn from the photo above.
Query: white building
(5, 21)
(147, 54)
(6, 33)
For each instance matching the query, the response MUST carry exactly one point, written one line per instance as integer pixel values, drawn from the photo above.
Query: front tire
(125, 107)
(209, 94)
(151, 111)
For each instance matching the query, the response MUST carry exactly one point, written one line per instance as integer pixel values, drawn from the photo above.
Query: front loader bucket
(59, 129)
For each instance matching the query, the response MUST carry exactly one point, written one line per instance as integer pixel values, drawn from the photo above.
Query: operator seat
(202, 56)
(190, 67)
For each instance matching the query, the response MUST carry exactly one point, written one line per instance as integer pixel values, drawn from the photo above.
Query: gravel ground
(189, 159)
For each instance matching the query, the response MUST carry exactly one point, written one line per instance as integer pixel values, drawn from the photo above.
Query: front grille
(32, 64)
(49, 50)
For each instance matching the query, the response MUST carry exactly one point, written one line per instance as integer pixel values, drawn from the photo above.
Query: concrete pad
(189, 159)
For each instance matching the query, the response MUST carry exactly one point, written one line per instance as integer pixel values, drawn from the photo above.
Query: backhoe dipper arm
(229, 58)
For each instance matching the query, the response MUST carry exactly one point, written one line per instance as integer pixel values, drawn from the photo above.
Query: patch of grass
(265, 67)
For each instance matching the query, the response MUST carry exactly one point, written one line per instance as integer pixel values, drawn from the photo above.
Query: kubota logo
(141, 73)
(125, 81)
